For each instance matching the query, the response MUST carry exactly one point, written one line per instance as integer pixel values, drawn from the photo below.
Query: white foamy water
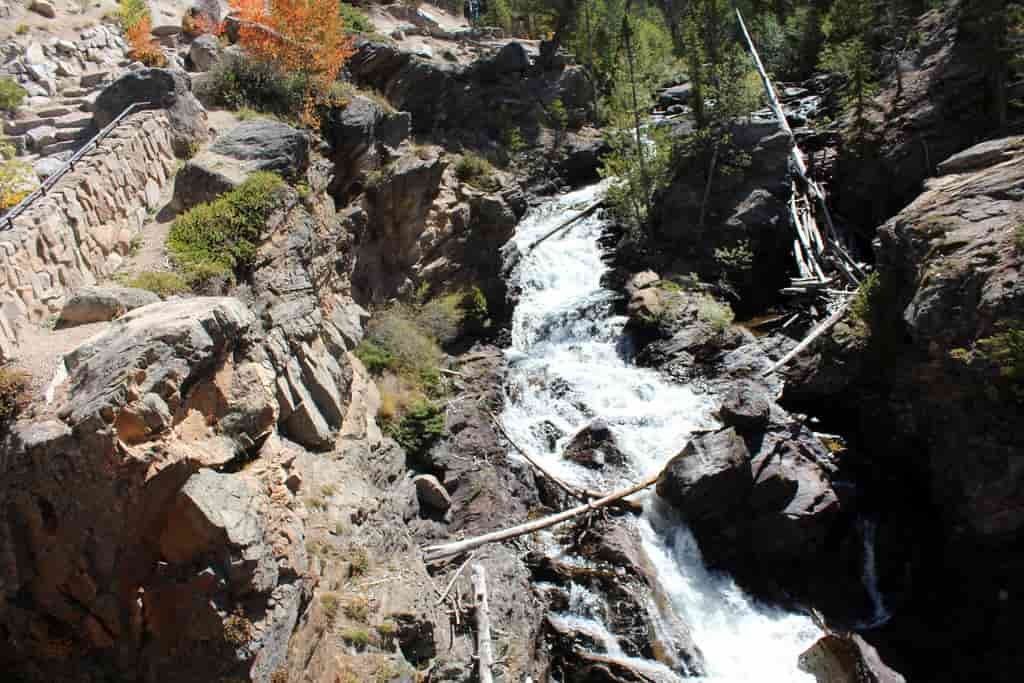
(568, 365)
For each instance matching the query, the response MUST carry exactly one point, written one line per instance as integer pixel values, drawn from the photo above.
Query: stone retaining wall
(80, 232)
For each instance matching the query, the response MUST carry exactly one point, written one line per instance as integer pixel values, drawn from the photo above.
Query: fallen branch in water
(579, 494)
(809, 339)
(568, 222)
(445, 550)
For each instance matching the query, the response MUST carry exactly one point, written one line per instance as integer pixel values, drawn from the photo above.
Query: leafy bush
(358, 637)
(358, 608)
(16, 178)
(419, 428)
(11, 94)
(862, 308)
(221, 237)
(477, 171)
(161, 283)
(355, 19)
(717, 314)
(240, 82)
(513, 140)
(446, 318)
(330, 603)
(131, 12)
(1018, 237)
(1006, 351)
(395, 342)
(13, 393)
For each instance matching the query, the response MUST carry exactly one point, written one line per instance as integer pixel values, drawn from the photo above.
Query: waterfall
(868, 527)
(568, 365)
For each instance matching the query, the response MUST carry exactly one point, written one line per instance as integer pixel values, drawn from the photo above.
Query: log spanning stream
(569, 364)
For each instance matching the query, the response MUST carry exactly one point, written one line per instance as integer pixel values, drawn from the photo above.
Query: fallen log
(484, 651)
(817, 332)
(579, 494)
(446, 550)
(567, 223)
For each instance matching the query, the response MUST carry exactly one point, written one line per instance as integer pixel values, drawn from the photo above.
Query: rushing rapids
(570, 363)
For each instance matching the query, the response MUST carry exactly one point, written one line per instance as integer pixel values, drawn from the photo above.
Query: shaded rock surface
(95, 304)
(846, 659)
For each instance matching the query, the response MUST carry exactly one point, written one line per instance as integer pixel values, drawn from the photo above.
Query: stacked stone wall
(80, 232)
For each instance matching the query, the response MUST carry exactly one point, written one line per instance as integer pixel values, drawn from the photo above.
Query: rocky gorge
(235, 480)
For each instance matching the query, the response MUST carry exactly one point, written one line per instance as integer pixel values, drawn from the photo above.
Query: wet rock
(96, 304)
(709, 477)
(431, 493)
(745, 406)
(836, 658)
(415, 636)
(581, 155)
(548, 432)
(595, 446)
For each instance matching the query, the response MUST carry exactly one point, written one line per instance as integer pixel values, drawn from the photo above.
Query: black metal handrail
(69, 165)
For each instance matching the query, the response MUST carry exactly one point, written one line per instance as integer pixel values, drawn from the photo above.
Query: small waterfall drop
(568, 365)
(868, 527)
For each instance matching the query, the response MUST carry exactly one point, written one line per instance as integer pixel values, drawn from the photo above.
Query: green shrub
(374, 357)
(358, 637)
(864, 301)
(13, 393)
(477, 171)
(131, 12)
(447, 318)
(358, 608)
(356, 20)
(1018, 238)
(420, 427)
(240, 81)
(22, 29)
(359, 562)
(330, 603)
(161, 283)
(513, 140)
(11, 94)
(396, 342)
(1006, 351)
(220, 238)
(717, 314)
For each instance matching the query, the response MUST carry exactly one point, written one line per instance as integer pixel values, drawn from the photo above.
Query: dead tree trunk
(445, 550)
(484, 652)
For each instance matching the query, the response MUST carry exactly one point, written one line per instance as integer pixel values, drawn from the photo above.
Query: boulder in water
(838, 658)
(595, 446)
(709, 477)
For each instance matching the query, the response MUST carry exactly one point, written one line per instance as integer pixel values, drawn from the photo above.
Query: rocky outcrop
(363, 136)
(928, 380)
(742, 233)
(98, 304)
(249, 147)
(162, 88)
(838, 658)
(470, 102)
(156, 552)
(942, 107)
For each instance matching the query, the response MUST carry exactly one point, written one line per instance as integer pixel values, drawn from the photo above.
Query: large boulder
(160, 88)
(595, 446)
(270, 145)
(360, 135)
(97, 304)
(709, 477)
(249, 147)
(205, 52)
(840, 658)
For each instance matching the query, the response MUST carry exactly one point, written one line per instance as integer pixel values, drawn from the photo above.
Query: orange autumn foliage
(143, 47)
(304, 36)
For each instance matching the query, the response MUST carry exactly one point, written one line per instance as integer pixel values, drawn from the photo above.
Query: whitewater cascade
(570, 363)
